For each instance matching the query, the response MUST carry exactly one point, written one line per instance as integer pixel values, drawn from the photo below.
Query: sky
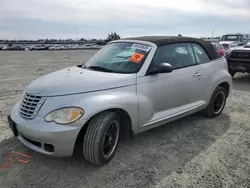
(40, 19)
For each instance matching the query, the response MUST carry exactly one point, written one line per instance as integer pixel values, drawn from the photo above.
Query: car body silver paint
(150, 101)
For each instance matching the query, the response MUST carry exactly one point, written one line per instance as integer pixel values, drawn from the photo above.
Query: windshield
(230, 38)
(247, 43)
(120, 57)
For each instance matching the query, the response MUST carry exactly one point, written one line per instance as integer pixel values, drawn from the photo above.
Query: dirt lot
(192, 152)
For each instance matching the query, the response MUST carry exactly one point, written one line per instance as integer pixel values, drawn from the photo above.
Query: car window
(217, 46)
(178, 55)
(241, 38)
(200, 54)
(120, 57)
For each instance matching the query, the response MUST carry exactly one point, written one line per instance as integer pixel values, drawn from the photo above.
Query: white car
(56, 47)
(231, 40)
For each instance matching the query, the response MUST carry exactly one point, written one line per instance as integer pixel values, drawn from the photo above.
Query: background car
(56, 47)
(17, 48)
(219, 49)
(7, 47)
(39, 47)
(238, 58)
(231, 40)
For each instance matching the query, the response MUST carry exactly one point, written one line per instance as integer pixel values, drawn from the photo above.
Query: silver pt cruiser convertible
(129, 86)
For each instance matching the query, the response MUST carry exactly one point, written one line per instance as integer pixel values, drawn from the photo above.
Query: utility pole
(213, 34)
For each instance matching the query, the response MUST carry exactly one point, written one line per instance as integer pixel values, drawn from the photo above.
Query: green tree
(112, 36)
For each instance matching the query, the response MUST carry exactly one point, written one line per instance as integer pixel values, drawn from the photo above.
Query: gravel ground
(192, 152)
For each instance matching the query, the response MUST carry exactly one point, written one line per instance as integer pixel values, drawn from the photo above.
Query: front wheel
(101, 138)
(216, 103)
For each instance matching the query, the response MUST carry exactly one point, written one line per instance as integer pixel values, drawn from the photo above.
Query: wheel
(101, 138)
(216, 103)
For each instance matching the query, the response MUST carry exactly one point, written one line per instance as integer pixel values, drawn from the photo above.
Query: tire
(95, 137)
(210, 109)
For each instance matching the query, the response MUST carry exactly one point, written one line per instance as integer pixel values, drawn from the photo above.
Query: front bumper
(239, 65)
(46, 138)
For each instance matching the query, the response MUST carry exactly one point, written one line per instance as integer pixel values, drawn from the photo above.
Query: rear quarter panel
(220, 75)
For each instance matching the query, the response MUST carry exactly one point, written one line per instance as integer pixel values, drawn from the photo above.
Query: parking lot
(192, 152)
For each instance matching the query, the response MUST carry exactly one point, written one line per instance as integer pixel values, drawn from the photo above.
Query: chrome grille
(30, 105)
(225, 46)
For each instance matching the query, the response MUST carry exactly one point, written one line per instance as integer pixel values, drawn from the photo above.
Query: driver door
(166, 95)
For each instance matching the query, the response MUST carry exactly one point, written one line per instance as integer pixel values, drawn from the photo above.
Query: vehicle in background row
(88, 46)
(231, 40)
(39, 47)
(238, 58)
(67, 47)
(7, 47)
(219, 49)
(56, 47)
(124, 89)
(17, 48)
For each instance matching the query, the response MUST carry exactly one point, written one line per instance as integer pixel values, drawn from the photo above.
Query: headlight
(65, 115)
(227, 52)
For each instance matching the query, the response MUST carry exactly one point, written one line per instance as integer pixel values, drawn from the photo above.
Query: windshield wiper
(100, 68)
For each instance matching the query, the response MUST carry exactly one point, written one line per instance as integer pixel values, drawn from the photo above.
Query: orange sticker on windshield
(136, 57)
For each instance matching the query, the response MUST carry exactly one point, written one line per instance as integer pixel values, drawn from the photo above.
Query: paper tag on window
(136, 57)
(141, 47)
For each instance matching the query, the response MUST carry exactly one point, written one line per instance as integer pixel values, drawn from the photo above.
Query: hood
(228, 42)
(242, 48)
(75, 80)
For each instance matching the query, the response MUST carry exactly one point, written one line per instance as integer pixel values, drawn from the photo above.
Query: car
(67, 47)
(17, 48)
(219, 49)
(88, 46)
(80, 47)
(231, 40)
(7, 47)
(74, 47)
(39, 47)
(238, 58)
(89, 107)
(56, 47)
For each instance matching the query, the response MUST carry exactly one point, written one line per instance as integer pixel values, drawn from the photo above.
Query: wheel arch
(226, 86)
(126, 130)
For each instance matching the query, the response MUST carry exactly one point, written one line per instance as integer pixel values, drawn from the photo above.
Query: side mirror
(161, 68)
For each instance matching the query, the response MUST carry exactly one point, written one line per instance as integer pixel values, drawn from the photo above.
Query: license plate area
(12, 126)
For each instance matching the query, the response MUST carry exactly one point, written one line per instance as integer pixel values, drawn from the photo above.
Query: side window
(178, 55)
(200, 54)
(241, 39)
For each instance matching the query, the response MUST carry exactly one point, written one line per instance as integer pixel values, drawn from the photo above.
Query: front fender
(92, 103)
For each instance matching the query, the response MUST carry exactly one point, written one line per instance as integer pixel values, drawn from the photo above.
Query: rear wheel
(216, 103)
(101, 138)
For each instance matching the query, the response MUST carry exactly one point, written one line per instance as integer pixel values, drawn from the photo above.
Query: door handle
(197, 74)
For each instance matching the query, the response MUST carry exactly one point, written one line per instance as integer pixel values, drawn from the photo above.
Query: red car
(219, 48)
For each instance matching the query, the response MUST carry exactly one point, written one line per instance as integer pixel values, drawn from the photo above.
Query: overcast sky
(33, 19)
